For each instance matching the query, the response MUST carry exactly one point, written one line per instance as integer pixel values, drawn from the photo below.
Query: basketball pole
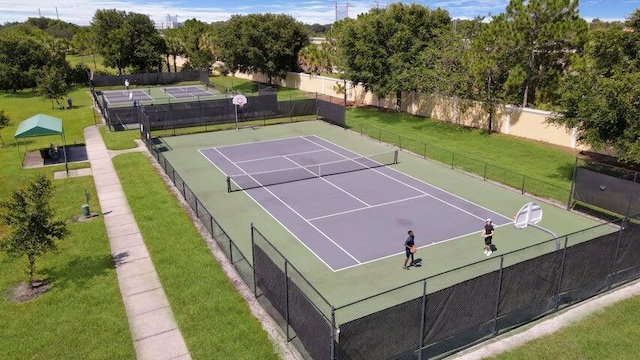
(236, 108)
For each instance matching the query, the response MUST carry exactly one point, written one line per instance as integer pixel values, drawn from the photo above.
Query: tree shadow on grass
(79, 271)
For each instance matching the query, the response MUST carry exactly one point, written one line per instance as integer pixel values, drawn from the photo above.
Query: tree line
(537, 53)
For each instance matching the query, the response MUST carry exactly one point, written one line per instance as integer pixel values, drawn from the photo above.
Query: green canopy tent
(41, 125)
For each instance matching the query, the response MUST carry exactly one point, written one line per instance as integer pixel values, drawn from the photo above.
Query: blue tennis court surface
(121, 96)
(345, 208)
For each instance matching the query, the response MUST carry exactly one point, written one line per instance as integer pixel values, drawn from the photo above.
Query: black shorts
(408, 252)
(487, 240)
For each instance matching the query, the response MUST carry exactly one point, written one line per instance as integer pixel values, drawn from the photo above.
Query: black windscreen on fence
(310, 326)
(627, 265)
(387, 334)
(270, 279)
(333, 113)
(587, 267)
(607, 192)
(461, 314)
(529, 289)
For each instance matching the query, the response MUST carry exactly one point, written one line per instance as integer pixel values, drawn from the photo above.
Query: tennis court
(346, 209)
(124, 96)
(448, 237)
(151, 95)
(186, 91)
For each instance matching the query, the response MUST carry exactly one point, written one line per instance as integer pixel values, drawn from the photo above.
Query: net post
(228, 184)
(395, 156)
(286, 296)
(564, 256)
(573, 184)
(423, 319)
(495, 317)
(253, 260)
(333, 333)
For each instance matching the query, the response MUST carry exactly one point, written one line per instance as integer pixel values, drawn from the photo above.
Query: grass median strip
(214, 319)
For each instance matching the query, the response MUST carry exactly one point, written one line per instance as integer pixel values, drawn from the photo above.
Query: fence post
(286, 295)
(573, 184)
(524, 178)
(333, 333)
(484, 176)
(379, 134)
(615, 256)
(453, 159)
(495, 318)
(197, 215)
(425, 150)
(211, 224)
(424, 315)
(253, 261)
(564, 257)
(230, 251)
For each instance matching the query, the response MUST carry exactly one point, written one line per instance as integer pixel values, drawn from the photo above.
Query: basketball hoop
(239, 101)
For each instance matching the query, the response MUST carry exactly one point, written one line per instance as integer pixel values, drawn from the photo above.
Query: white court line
(260, 142)
(280, 156)
(419, 247)
(418, 190)
(328, 182)
(424, 182)
(295, 212)
(365, 208)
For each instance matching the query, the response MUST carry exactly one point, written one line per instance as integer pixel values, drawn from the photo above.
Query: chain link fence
(522, 182)
(436, 316)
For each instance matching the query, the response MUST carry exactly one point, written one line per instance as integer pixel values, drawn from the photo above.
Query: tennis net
(274, 177)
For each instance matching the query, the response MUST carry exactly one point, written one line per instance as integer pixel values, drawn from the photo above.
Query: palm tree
(175, 46)
(313, 59)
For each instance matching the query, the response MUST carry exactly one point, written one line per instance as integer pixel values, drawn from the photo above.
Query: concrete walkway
(154, 331)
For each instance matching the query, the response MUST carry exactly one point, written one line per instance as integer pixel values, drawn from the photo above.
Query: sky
(307, 11)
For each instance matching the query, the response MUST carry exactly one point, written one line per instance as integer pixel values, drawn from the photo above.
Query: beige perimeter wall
(523, 122)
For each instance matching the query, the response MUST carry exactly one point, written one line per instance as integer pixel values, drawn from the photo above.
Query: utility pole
(57, 16)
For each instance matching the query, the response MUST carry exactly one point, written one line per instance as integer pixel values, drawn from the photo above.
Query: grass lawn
(505, 154)
(609, 334)
(81, 316)
(214, 319)
(248, 87)
(119, 140)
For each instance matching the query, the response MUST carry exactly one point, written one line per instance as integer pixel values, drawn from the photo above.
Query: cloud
(307, 11)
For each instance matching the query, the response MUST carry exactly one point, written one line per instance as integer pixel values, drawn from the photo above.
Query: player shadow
(416, 263)
(494, 248)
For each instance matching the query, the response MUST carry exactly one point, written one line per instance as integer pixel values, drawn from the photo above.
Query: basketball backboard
(530, 214)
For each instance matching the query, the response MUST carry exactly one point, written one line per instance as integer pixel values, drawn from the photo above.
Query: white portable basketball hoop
(531, 214)
(239, 101)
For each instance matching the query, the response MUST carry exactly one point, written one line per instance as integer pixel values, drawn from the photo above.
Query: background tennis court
(236, 211)
(160, 95)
